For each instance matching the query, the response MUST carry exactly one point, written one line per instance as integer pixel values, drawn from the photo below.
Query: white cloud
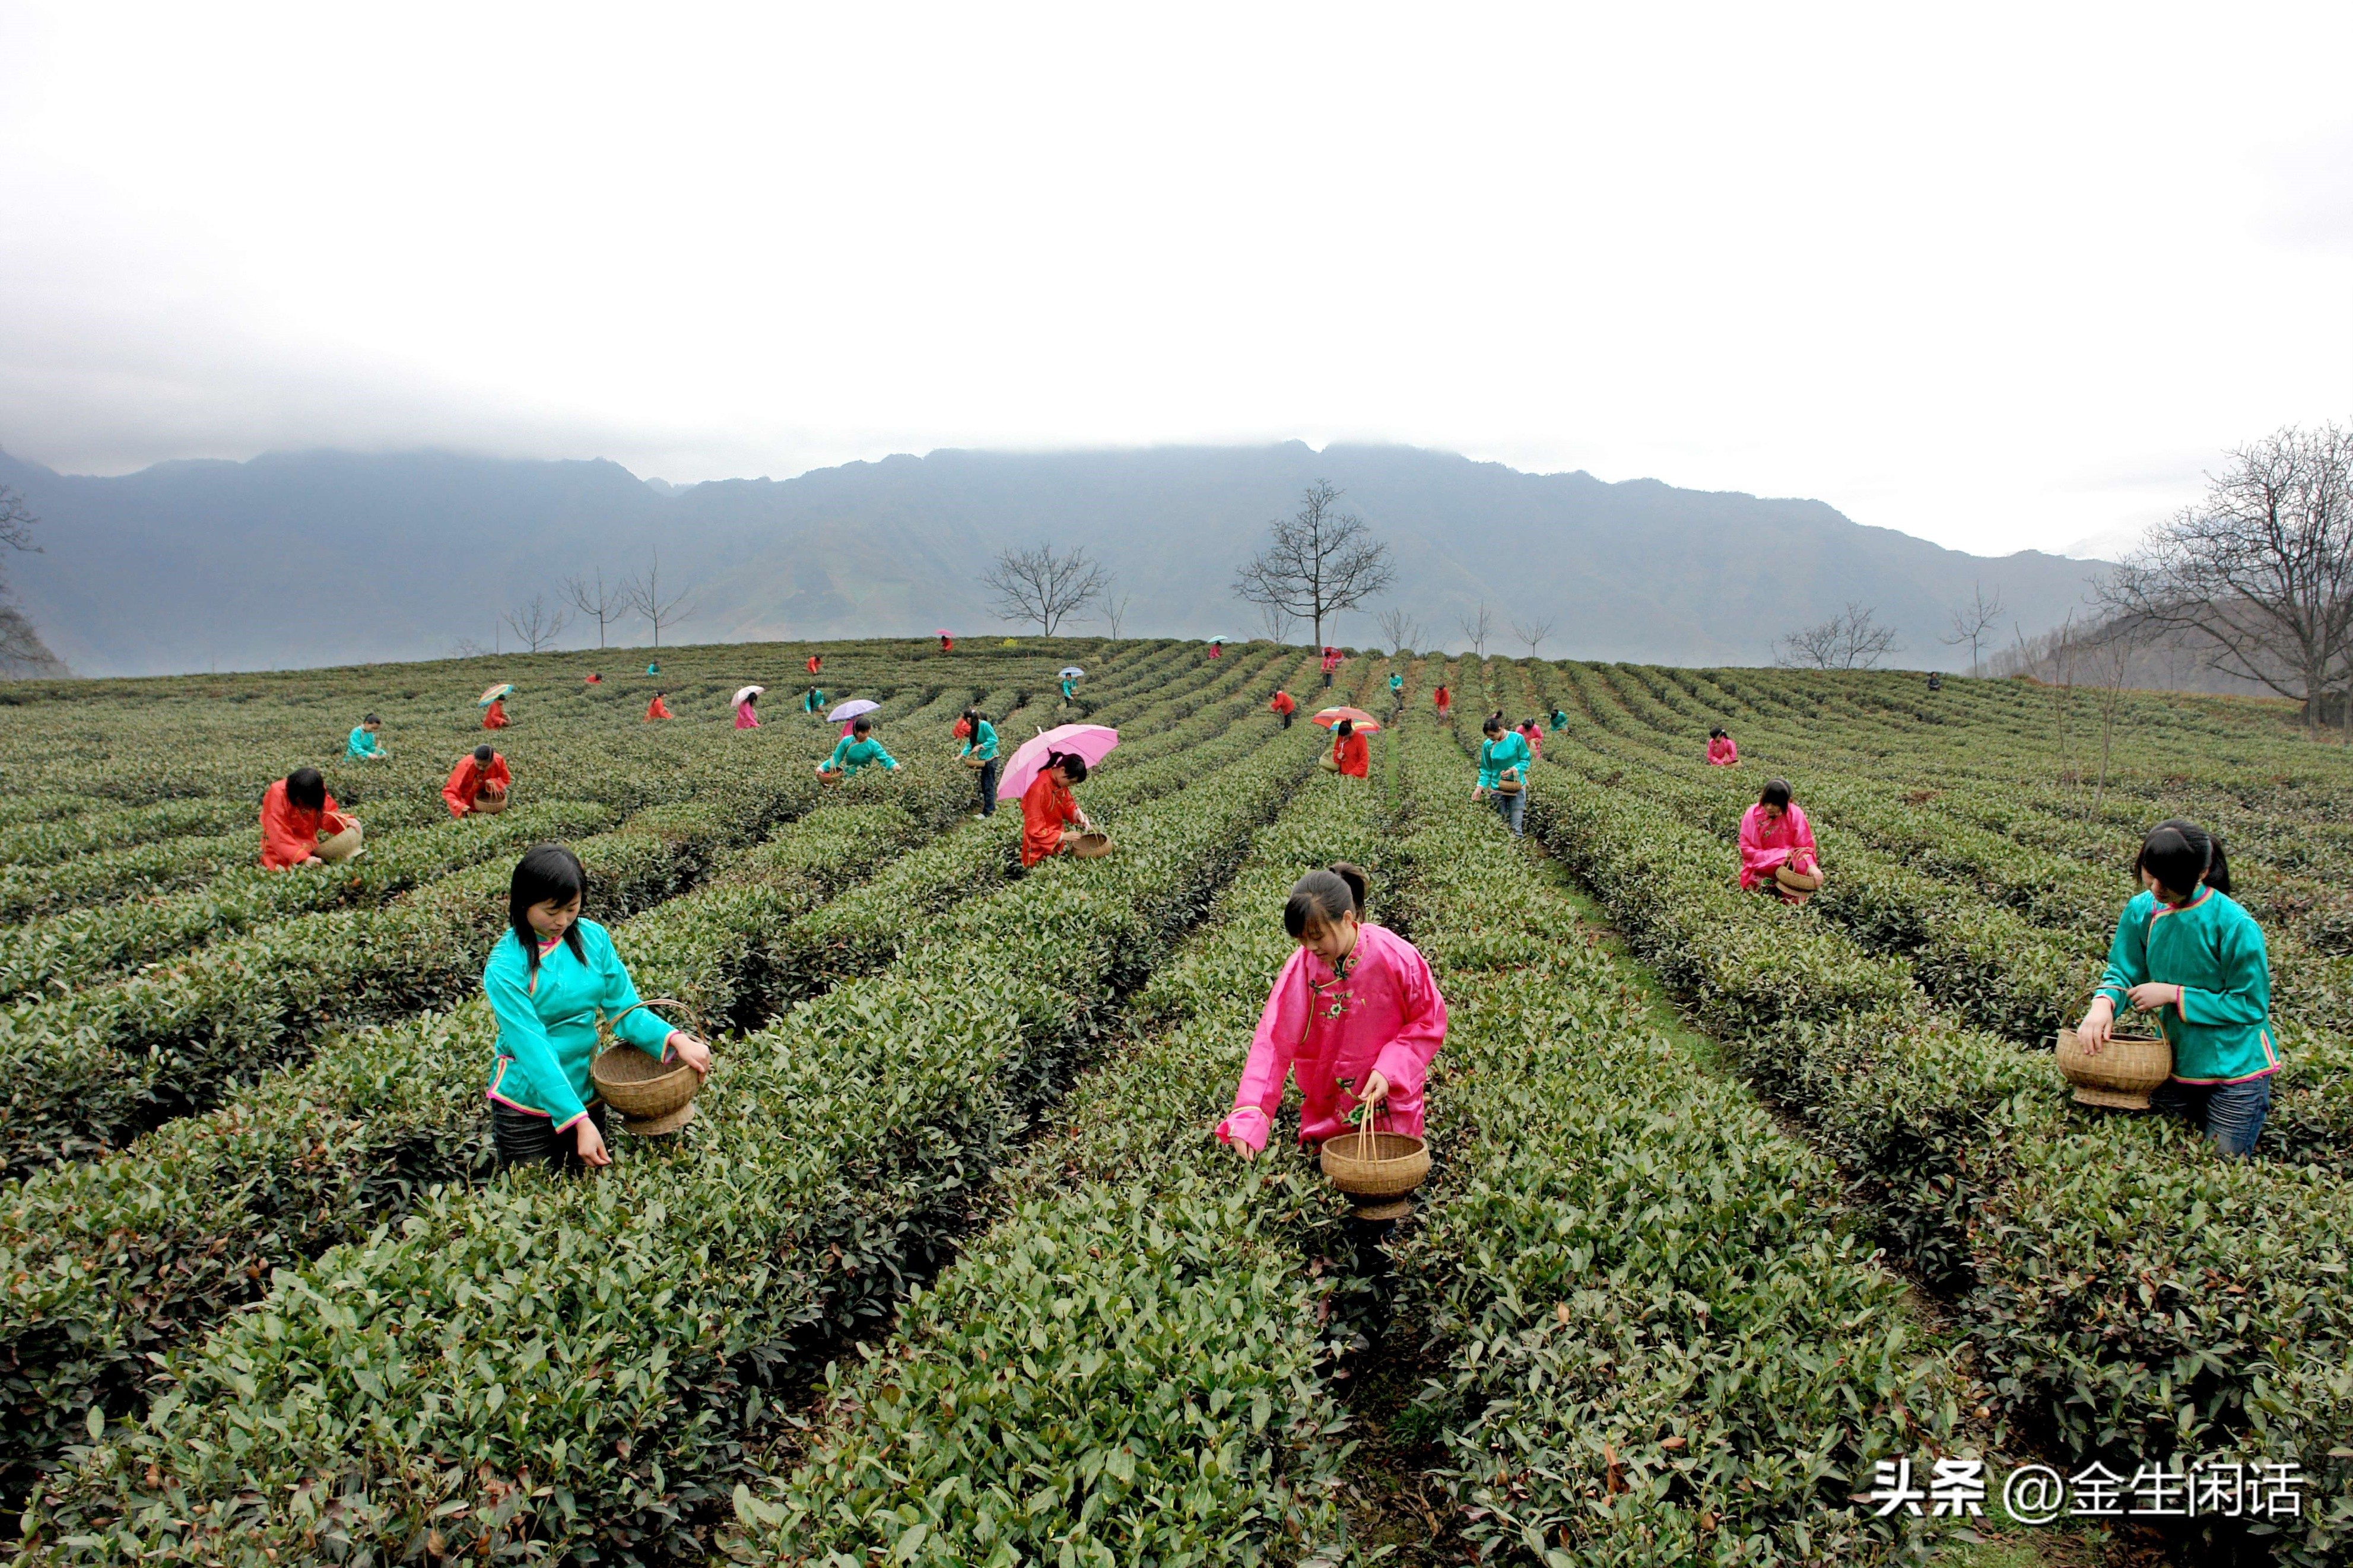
(2002, 277)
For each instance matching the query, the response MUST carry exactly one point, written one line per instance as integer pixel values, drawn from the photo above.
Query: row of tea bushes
(1124, 1367)
(116, 1259)
(89, 1071)
(1661, 1338)
(551, 1365)
(45, 843)
(2131, 1295)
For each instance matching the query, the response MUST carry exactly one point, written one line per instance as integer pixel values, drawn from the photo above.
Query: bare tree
(1533, 634)
(1276, 620)
(601, 603)
(537, 624)
(2262, 566)
(1320, 562)
(1852, 639)
(1045, 586)
(646, 595)
(21, 647)
(1972, 621)
(1400, 630)
(1477, 627)
(2112, 657)
(1114, 612)
(467, 647)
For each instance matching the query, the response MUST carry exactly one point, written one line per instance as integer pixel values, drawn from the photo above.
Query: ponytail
(1324, 897)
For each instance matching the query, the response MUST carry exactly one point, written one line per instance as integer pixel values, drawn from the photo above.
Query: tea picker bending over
(548, 979)
(856, 749)
(2187, 952)
(1050, 817)
(1720, 752)
(980, 748)
(1777, 846)
(1352, 754)
(477, 784)
(362, 746)
(301, 825)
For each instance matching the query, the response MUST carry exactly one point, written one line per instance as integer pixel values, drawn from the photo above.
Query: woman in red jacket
(301, 825)
(658, 709)
(1050, 818)
(494, 717)
(1351, 751)
(478, 784)
(1284, 703)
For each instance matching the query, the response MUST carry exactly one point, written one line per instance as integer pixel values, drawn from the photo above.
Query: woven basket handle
(612, 1024)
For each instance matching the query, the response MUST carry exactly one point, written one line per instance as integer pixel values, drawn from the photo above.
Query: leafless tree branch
(1852, 639)
(646, 595)
(1533, 634)
(1318, 563)
(1046, 586)
(1477, 627)
(1972, 621)
(1398, 629)
(537, 624)
(598, 602)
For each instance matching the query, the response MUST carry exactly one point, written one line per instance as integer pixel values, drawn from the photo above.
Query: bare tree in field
(2262, 567)
(1045, 585)
(646, 596)
(1114, 612)
(1852, 639)
(1276, 621)
(537, 624)
(1533, 634)
(1319, 562)
(1477, 627)
(1973, 622)
(20, 645)
(1400, 630)
(599, 603)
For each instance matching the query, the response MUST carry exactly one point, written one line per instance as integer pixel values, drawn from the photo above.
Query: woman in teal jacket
(980, 745)
(2186, 952)
(1503, 751)
(856, 749)
(549, 979)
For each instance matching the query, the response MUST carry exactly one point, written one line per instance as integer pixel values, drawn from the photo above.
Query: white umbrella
(852, 708)
(745, 694)
(1072, 672)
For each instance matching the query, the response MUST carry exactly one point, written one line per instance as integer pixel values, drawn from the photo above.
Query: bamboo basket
(1091, 846)
(654, 1097)
(1508, 782)
(490, 802)
(1376, 1171)
(2123, 1076)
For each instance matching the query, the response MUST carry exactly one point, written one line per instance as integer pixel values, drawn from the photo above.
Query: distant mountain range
(315, 558)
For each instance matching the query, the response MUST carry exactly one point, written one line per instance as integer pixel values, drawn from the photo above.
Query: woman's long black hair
(2179, 854)
(306, 790)
(547, 873)
(1072, 766)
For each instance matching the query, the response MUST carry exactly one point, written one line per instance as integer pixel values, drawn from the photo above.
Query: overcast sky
(2003, 277)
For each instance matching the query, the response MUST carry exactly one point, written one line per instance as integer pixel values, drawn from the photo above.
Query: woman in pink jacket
(1355, 1016)
(1777, 846)
(1720, 752)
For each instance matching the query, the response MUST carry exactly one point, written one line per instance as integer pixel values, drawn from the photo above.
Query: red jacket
(1442, 698)
(495, 718)
(1283, 702)
(813, 662)
(658, 709)
(1355, 755)
(467, 781)
(947, 645)
(1046, 809)
(289, 836)
(1331, 659)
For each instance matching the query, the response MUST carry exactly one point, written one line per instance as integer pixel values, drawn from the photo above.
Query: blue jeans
(2230, 1114)
(988, 787)
(1510, 807)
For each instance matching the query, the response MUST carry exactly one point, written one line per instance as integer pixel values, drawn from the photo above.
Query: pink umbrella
(1091, 742)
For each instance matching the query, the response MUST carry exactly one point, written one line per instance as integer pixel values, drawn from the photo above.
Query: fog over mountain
(316, 558)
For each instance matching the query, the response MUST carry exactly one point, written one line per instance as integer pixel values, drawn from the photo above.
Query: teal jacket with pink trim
(547, 1024)
(2221, 1030)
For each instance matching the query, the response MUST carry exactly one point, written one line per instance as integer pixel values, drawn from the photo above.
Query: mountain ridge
(290, 559)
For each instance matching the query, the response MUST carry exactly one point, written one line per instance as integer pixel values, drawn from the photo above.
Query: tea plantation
(947, 1269)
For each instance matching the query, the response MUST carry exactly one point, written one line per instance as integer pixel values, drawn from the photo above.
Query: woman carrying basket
(1051, 817)
(1504, 760)
(478, 781)
(1355, 1016)
(548, 979)
(980, 753)
(1777, 846)
(2187, 952)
